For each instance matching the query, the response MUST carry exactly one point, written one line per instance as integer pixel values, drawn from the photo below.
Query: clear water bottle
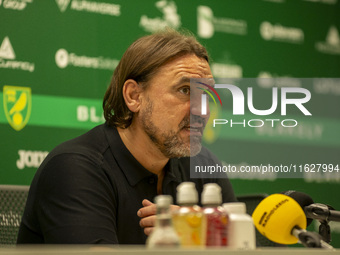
(164, 234)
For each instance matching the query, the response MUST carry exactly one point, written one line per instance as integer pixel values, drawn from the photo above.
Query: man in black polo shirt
(97, 188)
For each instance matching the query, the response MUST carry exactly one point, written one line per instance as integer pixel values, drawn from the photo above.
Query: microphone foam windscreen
(276, 216)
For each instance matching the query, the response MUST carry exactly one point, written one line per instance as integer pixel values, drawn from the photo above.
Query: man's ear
(132, 95)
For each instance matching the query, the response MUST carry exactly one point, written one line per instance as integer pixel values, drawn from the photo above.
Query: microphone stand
(325, 231)
(323, 213)
(310, 239)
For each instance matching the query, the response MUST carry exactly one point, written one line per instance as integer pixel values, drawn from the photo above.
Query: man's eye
(185, 90)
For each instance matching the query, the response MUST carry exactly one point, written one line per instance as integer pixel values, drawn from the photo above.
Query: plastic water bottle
(216, 216)
(241, 231)
(188, 219)
(164, 234)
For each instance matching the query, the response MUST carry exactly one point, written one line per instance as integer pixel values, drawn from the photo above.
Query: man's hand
(148, 215)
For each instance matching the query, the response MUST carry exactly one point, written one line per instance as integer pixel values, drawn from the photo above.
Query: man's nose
(199, 105)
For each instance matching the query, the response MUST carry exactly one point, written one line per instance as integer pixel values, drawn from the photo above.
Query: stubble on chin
(195, 145)
(170, 143)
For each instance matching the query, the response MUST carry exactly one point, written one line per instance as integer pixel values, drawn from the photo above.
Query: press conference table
(135, 250)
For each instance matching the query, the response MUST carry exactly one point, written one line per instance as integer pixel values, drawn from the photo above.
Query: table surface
(127, 250)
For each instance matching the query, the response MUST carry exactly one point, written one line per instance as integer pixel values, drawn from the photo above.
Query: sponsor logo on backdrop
(89, 114)
(7, 58)
(305, 131)
(278, 32)
(327, 86)
(208, 24)
(90, 6)
(323, 1)
(62, 4)
(30, 159)
(265, 80)
(63, 59)
(17, 5)
(332, 43)
(221, 70)
(170, 17)
(6, 49)
(17, 105)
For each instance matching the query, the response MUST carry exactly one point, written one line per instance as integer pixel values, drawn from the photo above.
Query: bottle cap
(163, 201)
(235, 208)
(187, 193)
(211, 194)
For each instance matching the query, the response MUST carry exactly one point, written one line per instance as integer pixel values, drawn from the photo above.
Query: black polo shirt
(89, 189)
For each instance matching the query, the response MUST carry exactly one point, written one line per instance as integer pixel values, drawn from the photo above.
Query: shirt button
(151, 180)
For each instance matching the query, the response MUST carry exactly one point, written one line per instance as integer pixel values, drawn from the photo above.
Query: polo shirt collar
(173, 172)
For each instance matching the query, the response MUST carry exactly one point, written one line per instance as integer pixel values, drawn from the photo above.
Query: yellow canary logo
(17, 105)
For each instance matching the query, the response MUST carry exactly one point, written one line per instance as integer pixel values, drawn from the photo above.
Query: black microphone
(313, 210)
(302, 199)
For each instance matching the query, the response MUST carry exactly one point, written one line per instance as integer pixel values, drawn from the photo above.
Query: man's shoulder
(91, 144)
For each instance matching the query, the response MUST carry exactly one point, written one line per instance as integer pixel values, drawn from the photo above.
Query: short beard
(170, 143)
